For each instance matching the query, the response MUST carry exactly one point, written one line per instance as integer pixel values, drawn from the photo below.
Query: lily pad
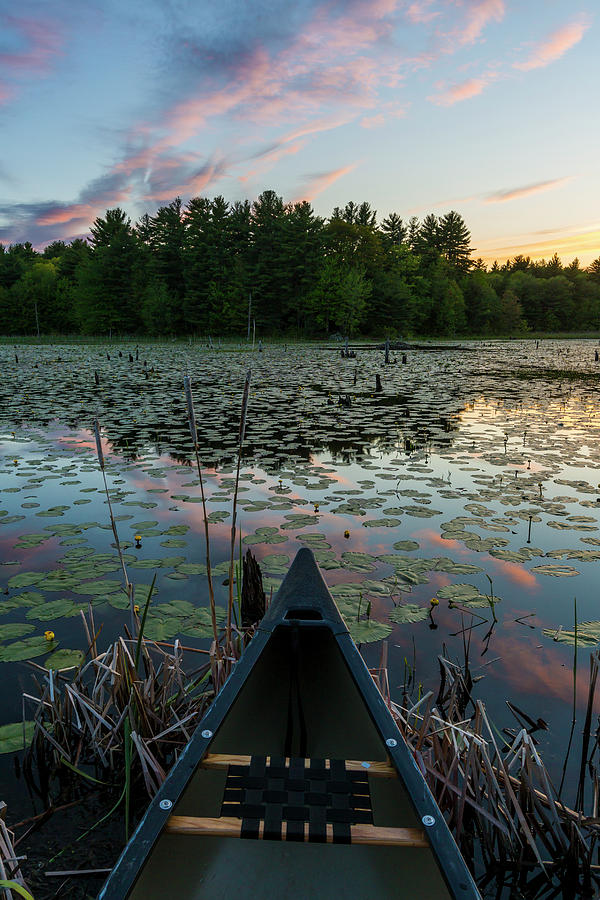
(588, 634)
(25, 579)
(14, 630)
(52, 609)
(368, 630)
(408, 613)
(16, 736)
(191, 569)
(264, 535)
(28, 648)
(556, 571)
(64, 659)
(465, 594)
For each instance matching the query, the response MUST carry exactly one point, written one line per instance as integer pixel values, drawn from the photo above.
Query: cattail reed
(241, 434)
(187, 386)
(128, 585)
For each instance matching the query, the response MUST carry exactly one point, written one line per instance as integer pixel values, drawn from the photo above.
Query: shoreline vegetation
(507, 817)
(267, 268)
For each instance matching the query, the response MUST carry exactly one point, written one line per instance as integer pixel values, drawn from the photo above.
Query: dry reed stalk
(128, 585)
(9, 861)
(501, 801)
(241, 433)
(187, 384)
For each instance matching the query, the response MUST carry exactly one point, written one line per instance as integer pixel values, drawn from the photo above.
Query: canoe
(297, 783)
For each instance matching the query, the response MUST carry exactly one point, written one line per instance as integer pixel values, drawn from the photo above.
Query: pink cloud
(41, 43)
(479, 13)
(373, 121)
(516, 573)
(555, 46)
(270, 158)
(5, 93)
(319, 183)
(464, 91)
(74, 212)
(526, 190)
(421, 13)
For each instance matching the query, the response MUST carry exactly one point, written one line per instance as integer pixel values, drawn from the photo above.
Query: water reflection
(490, 471)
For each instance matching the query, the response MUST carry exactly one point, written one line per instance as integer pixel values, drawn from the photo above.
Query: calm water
(479, 464)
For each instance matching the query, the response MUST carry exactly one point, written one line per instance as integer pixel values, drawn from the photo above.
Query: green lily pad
(588, 634)
(97, 588)
(191, 569)
(359, 562)
(64, 659)
(16, 736)
(406, 545)
(556, 571)
(14, 630)
(52, 609)
(314, 540)
(275, 563)
(408, 613)
(264, 535)
(381, 523)
(368, 630)
(25, 579)
(28, 648)
(465, 594)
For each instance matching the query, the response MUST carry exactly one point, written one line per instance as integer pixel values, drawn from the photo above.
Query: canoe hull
(299, 704)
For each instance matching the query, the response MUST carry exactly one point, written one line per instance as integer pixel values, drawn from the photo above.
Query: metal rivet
(207, 733)
(166, 804)
(392, 742)
(428, 820)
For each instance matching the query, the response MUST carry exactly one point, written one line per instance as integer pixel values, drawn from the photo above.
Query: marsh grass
(12, 883)
(496, 795)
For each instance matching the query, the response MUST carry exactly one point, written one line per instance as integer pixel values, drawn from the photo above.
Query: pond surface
(472, 478)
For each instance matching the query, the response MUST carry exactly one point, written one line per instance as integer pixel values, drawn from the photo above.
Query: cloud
(516, 573)
(50, 220)
(526, 190)
(6, 93)
(478, 14)
(555, 45)
(317, 183)
(373, 121)
(421, 13)
(37, 42)
(458, 92)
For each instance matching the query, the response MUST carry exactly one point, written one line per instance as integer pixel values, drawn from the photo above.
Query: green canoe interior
(338, 726)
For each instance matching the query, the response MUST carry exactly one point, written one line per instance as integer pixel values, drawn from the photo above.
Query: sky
(487, 107)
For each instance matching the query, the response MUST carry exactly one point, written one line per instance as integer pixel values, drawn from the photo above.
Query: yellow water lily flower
(434, 601)
(49, 635)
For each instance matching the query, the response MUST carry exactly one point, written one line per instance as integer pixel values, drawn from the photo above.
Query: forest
(210, 267)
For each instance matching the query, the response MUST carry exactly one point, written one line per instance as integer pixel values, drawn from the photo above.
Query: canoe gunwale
(302, 591)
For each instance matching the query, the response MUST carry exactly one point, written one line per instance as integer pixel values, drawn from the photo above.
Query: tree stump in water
(253, 595)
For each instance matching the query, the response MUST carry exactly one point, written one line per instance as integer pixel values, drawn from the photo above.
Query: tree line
(213, 267)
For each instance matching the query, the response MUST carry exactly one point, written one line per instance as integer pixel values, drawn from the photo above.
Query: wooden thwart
(360, 834)
(376, 769)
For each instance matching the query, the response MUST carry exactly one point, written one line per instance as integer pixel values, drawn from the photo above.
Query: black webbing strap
(276, 793)
(252, 795)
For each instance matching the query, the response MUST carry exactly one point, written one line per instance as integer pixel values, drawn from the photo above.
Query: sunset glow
(483, 106)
